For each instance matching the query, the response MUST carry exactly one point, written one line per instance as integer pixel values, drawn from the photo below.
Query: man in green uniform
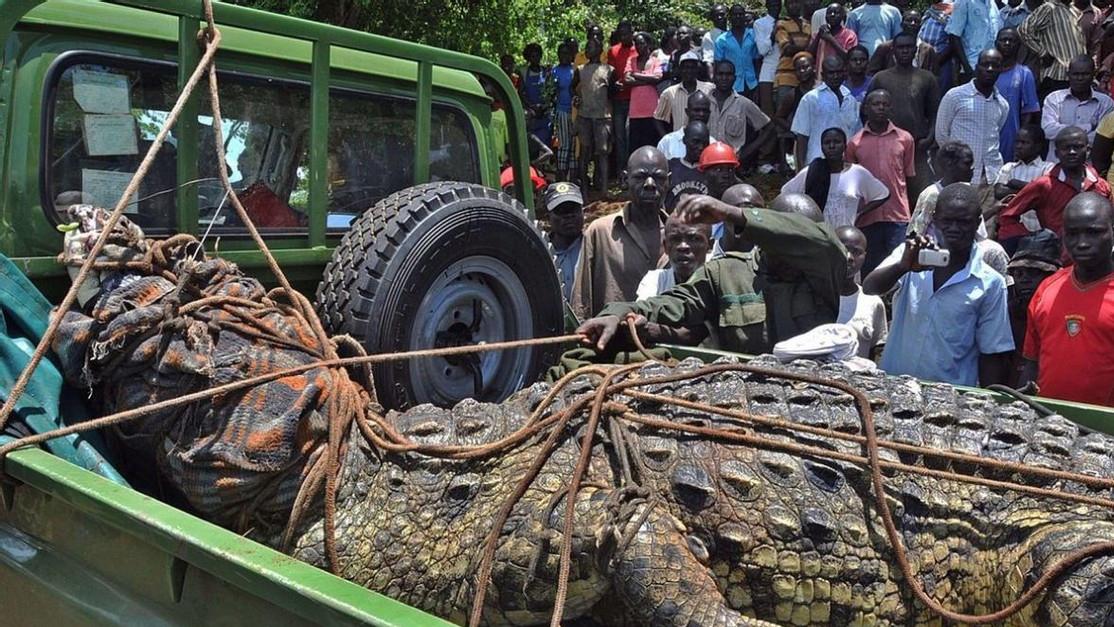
(790, 285)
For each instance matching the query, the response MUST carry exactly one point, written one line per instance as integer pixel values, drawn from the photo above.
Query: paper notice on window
(112, 134)
(103, 188)
(101, 92)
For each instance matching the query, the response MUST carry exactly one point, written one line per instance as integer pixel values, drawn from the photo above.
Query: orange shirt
(1071, 337)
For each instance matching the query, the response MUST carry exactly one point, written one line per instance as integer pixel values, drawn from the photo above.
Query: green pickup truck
(332, 136)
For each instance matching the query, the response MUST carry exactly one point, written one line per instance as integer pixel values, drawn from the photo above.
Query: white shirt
(849, 190)
(967, 116)
(708, 44)
(866, 314)
(655, 283)
(672, 144)
(1061, 109)
(767, 48)
(819, 18)
(1024, 172)
(820, 110)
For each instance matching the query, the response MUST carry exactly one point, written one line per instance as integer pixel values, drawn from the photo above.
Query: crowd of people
(944, 210)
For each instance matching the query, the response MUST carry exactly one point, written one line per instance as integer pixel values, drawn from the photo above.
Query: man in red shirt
(617, 58)
(1048, 194)
(887, 152)
(1069, 343)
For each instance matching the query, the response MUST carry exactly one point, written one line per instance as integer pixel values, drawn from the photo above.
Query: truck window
(103, 118)
(103, 114)
(371, 150)
(266, 146)
(452, 147)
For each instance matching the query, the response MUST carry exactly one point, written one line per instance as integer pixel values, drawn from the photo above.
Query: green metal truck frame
(319, 55)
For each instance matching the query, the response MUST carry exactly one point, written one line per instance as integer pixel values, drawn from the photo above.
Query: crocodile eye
(1008, 438)
(818, 524)
(463, 487)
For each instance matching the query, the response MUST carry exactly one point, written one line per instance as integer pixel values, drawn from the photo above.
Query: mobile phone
(933, 258)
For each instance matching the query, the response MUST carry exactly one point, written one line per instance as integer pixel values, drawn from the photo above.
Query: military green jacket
(753, 301)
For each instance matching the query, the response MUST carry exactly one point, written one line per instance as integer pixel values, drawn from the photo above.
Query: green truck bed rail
(1092, 417)
(78, 549)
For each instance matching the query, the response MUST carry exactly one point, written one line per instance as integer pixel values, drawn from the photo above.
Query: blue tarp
(48, 403)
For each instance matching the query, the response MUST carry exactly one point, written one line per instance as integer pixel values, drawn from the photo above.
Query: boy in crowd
(698, 109)
(734, 115)
(1028, 163)
(536, 100)
(864, 313)
(593, 122)
(886, 151)
(670, 114)
(685, 176)
(686, 247)
(564, 77)
(1048, 194)
(833, 37)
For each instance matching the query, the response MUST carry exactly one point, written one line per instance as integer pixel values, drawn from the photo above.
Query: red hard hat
(717, 153)
(507, 177)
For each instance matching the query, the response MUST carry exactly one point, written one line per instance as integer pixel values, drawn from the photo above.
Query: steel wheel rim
(445, 317)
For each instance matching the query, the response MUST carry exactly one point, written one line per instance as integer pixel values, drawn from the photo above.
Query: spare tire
(445, 264)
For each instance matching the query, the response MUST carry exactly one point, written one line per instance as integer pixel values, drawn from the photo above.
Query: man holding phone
(950, 316)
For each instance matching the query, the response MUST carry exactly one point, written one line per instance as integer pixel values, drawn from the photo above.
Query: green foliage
(489, 28)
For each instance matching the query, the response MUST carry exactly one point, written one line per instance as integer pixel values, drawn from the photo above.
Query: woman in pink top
(642, 76)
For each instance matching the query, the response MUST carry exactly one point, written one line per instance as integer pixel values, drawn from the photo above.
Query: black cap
(561, 193)
(1039, 250)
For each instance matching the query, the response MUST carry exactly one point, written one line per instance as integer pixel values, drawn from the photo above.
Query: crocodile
(717, 533)
(669, 527)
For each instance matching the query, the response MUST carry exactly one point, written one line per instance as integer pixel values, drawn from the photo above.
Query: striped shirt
(966, 115)
(934, 28)
(1053, 29)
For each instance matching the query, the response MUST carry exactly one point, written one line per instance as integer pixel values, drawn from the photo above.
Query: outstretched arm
(885, 277)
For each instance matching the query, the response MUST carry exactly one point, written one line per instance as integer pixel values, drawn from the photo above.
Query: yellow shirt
(582, 59)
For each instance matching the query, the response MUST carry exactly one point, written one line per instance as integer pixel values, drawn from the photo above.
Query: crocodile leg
(1085, 596)
(662, 579)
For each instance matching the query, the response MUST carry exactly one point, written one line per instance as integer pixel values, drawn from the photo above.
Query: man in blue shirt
(972, 28)
(738, 46)
(874, 22)
(1018, 86)
(950, 322)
